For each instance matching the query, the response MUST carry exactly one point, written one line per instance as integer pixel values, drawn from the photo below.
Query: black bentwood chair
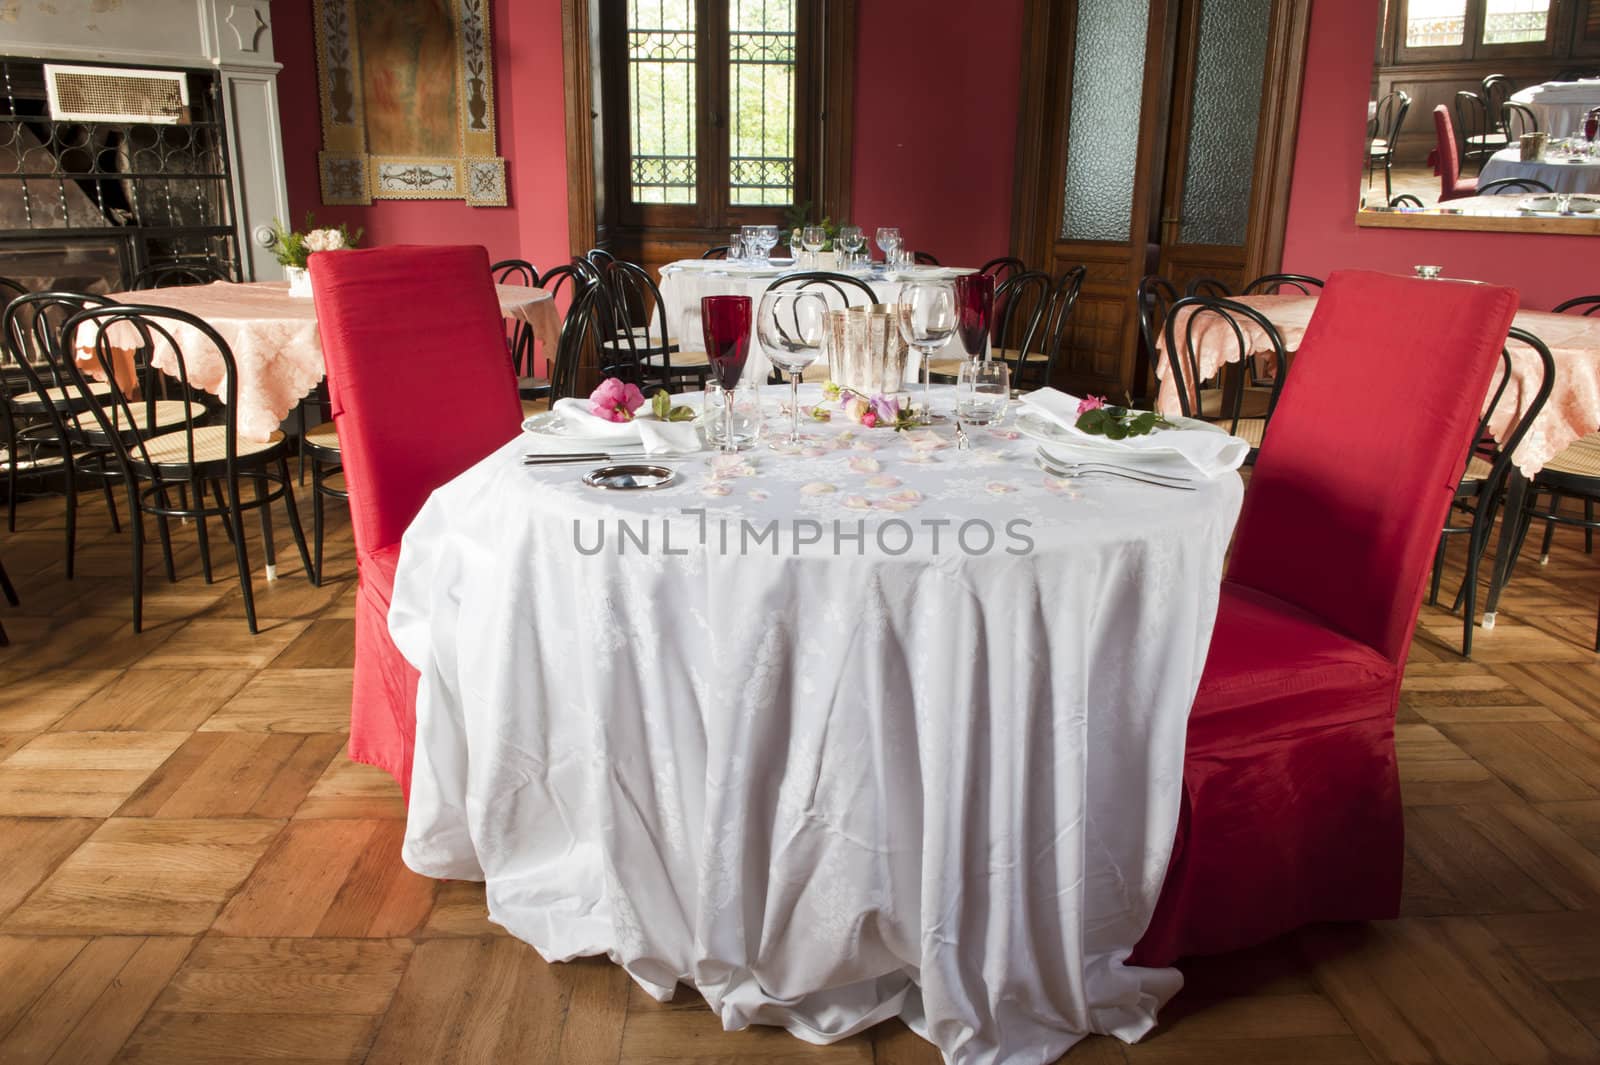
(1274, 284)
(1478, 127)
(1481, 490)
(1405, 199)
(1383, 132)
(1221, 400)
(10, 594)
(1513, 185)
(839, 291)
(1021, 303)
(1518, 121)
(181, 272)
(1003, 267)
(641, 347)
(188, 459)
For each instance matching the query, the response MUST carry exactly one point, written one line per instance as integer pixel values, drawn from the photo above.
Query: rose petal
(867, 445)
(814, 452)
(893, 504)
(758, 495)
(715, 488)
(883, 480)
(907, 495)
(1005, 434)
(999, 488)
(858, 502)
(865, 464)
(818, 488)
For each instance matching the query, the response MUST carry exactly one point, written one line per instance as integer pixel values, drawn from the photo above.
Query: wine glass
(851, 240)
(928, 319)
(766, 239)
(725, 322)
(789, 324)
(736, 249)
(974, 306)
(888, 238)
(812, 238)
(750, 237)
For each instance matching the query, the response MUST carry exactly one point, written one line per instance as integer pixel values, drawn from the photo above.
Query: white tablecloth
(683, 283)
(831, 784)
(1560, 176)
(1560, 105)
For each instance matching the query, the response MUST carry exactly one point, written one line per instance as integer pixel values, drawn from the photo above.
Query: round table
(1560, 105)
(877, 728)
(683, 283)
(275, 343)
(1560, 175)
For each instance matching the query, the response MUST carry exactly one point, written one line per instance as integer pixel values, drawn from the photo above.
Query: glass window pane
(1436, 23)
(761, 38)
(1103, 130)
(1231, 58)
(661, 99)
(1515, 21)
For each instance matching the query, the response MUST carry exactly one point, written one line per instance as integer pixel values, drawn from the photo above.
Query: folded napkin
(1209, 453)
(655, 437)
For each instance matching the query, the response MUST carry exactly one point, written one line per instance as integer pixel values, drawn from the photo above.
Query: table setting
(1560, 106)
(1568, 166)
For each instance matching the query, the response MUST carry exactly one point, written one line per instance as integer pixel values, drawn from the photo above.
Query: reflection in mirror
(1483, 115)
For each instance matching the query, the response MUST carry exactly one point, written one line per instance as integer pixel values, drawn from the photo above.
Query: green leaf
(1142, 424)
(1115, 430)
(661, 404)
(680, 413)
(1093, 421)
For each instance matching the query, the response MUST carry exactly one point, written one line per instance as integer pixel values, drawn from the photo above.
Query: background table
(1560, 176)
(827, 787)
(275, 343)
(683, 283)
(1560, 105)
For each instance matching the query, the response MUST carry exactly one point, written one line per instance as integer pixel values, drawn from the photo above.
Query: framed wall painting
(407, 92)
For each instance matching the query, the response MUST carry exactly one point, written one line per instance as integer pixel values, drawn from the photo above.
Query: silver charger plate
(631, 477)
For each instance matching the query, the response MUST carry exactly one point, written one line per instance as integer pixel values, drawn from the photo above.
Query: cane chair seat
(1582, 459)
(1253, 404)
(323, 438)
(68, 398)
(1478, 471)
(681, 359)
(165, 414)
(210, 447)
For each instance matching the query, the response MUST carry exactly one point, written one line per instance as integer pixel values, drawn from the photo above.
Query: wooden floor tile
(31, 964)
(1543, 762)
(85, 643)
(80, 774)
(349, 789)
(33, 702)
(234, 1038)
(290, 596)
(155, 700)
(31, 849)
(295, 977)
(686, 1032)
(222, 643)
(91, 1008)
(326, 644)
(460, 909)
(332, 878)
(235, 774)
(288, 700)
(146, 876)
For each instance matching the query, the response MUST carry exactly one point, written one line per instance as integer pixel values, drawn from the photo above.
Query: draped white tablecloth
(1559, 175)
(1561, 105)
(683, 283)
(827, 785)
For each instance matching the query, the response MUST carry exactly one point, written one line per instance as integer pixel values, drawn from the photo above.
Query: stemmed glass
(812, 238)
(750, 237)
(888, 238)
(790, 325)
(851, 240)
(766, 240)
(928, 319)
(725, 323)
(974, 306)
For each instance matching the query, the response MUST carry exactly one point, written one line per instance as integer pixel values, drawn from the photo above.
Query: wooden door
(1149, 109)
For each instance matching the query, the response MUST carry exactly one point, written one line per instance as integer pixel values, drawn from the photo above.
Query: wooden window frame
(1472, 46)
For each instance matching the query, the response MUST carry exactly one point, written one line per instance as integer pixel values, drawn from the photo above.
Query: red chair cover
(1446, 159)
(421, 389)
(1291, 808)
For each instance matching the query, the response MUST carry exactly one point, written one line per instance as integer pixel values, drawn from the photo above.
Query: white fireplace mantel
(231, 36)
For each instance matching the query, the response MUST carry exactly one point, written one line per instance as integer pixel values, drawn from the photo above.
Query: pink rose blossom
(615, 400)
(1089, 403)
(870, 419)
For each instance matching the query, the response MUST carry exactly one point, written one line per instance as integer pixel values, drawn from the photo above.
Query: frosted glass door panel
(1229, 62)
(1103, 127)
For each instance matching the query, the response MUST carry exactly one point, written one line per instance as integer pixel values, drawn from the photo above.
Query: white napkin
(1211, 454)
(656, 437)
(586, 426)
(668, 438)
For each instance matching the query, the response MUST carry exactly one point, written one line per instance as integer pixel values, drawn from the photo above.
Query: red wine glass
(974, 307)
(725, 321)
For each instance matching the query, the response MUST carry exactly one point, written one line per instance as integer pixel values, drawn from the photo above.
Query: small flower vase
(299, 281)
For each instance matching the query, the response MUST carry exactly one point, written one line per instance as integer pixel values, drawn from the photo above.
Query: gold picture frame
(390, 131)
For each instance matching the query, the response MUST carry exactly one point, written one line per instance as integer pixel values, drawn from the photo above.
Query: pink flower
(870, 419)
(1089, 403)
(886, 409)
(615, 400)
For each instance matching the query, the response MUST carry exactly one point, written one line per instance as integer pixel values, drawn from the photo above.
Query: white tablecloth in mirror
(1560, 175)
(1560, 105)
(833, 786)
(683, 283)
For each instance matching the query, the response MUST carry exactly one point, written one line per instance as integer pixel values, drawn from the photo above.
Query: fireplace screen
(152, 193)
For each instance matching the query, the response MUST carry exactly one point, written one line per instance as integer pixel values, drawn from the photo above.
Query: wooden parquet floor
(192, 871)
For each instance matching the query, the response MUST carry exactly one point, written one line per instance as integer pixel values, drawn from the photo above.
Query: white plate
(1539, 203)
(1042, 429)
(1584, 204)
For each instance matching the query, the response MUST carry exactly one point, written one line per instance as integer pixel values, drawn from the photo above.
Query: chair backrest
(599, 258)
(1497, 90)
(1208, 286)
(1215, 316)
(1498, 453)
(31, 335)
(1270, 284)
(1584, 305)
(1448, 154)
(1021, 302)
(638, 326)
(1518, 119)
(182, 272)
(395, 323)
(10, 290)
(1405, 199)
(847, 291)
(515, 272)
(124, 342)
(1056, 326)
(1390, 117)
(719, 251)
(923, 258)
(580, 277)
(1513, 186)
(1474, 119)
(1368, 442)
(1003, 267)
(582, 333)
(1155, 295)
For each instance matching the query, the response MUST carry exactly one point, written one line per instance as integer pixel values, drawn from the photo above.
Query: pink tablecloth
(1572, 411)
(275, 343)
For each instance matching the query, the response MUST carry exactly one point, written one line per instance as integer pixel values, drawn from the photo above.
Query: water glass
(982, 391)
(850, 241)
(745, 422)
(766, 240)
(888, 238)
(736, 249)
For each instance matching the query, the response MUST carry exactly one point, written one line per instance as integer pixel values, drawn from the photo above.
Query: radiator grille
(100, 94)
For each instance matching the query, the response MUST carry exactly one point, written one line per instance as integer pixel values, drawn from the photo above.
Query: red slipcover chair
(1446, 159)
(1291, 800)
(421, 388)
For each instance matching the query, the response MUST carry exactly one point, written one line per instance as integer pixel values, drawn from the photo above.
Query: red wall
(1322, 233)
(530, 116)
(936, 124)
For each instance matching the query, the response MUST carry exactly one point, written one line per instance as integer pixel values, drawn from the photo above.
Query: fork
(962, 443)
(1152, 474)
(1076, 471)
